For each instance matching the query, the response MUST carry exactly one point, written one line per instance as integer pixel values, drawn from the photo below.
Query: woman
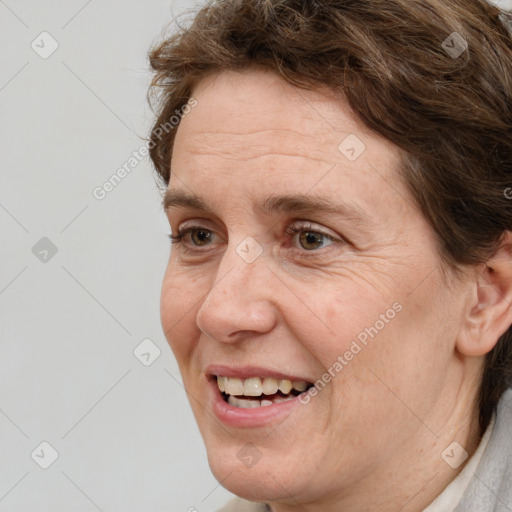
(338, 295)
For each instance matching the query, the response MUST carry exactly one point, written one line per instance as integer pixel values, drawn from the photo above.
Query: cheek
(351, 315)
(178, 305)
(397, 340)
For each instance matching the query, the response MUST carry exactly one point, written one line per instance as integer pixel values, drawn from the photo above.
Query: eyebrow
(288, 203)
(180, 199)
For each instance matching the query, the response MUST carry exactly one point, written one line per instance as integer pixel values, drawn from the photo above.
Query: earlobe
(489, 314)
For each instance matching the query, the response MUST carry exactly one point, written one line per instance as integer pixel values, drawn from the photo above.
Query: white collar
(448, 500)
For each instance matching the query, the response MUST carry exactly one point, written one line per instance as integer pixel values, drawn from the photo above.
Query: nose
(239, 304)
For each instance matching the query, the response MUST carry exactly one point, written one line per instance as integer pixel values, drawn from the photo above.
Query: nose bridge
(238, 299)
(241, 270)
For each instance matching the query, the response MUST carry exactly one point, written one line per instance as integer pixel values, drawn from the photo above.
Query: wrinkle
(253, 146)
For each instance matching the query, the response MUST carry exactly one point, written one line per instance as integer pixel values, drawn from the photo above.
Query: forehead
(261, 100)
(254, 133)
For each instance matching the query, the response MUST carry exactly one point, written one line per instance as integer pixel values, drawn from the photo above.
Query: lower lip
(256, 417)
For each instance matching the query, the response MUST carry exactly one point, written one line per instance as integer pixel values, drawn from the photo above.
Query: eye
(195, 235)
(309, 237)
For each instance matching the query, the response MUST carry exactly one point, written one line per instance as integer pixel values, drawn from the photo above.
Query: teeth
(243, 404)
(221, 381)
(299, 385)
(253, 387)
(270, 386)
(285, 386)
(256, 386)
(251, 404)
(233, 386)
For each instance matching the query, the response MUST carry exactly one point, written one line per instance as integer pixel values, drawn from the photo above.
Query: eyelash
(291, 230)
(178, 239)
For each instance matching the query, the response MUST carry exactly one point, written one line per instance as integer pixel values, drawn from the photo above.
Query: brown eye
(310, 240)
(308, 237)
(200, 236)
(195, 235)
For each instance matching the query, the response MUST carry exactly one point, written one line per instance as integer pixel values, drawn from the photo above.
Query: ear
(489, 313)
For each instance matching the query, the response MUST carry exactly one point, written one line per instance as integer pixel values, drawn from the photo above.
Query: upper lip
(245, 372)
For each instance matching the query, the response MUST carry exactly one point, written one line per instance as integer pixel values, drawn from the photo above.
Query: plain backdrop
(80, 277)
(92, 412)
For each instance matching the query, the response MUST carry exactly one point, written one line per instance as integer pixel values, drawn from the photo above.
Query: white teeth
(243, 404)
(285, 386)
(233, 401)
(256, 386)
(253, 387)
(221, 381)
(251, 404)
(233, 386)
(270, 386)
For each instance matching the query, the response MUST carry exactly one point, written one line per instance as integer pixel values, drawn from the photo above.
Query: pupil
(201, 237)
(308, 238)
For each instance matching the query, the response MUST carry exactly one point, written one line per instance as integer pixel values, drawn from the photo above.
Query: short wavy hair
(432, 76)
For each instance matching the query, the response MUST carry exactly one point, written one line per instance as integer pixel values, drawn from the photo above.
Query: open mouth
(259, 391)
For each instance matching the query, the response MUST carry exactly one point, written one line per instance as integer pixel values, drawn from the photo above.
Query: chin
(253, 484)
(262, 480)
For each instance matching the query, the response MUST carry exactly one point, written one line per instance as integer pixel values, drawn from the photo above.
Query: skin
(372, 438)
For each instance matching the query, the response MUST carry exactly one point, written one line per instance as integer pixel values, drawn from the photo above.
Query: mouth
(254, 392)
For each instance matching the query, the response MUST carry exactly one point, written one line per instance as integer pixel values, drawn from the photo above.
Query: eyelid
(185, 230)
(196, 223)
(199, 223)
(307, 225)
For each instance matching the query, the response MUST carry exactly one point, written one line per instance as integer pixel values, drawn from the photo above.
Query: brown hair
(432, 76)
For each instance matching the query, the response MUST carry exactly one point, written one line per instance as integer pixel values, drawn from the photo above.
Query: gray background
(69, 324)
(70, 321)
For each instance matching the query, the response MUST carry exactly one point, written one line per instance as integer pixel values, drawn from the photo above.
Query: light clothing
(484, 485)
(448, 500)
(240, 505)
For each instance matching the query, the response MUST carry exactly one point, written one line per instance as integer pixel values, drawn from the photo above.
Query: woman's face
(270, 284)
